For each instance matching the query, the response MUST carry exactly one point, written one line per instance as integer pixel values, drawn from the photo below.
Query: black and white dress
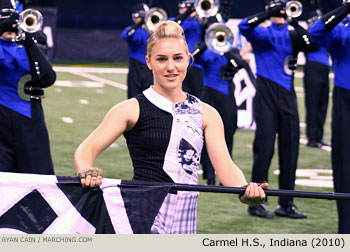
(165, 145)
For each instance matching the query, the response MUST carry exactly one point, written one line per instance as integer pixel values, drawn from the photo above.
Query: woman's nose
(171, 65)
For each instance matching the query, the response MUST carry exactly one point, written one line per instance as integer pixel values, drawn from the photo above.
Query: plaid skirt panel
(177, 214)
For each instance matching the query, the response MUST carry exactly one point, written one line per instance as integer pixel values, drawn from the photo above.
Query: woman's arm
(229, 174)
(122, 117)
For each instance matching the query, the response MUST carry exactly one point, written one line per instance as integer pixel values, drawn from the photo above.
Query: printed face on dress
(168, 61)
(188, 155)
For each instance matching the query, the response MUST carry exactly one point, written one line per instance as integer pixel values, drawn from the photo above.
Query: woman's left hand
(254, 194)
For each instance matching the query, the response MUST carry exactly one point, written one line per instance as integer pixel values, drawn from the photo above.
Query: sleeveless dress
(165, 146)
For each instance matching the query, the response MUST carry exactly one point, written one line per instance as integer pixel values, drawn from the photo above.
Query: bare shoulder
(130, 105)
(210, 114)
(127, 104)
(127, 111)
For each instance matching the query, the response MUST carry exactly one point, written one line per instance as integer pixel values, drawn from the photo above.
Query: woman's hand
(90, 177)
(254, 194)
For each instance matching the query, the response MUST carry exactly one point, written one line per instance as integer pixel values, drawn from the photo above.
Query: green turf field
(73, 112)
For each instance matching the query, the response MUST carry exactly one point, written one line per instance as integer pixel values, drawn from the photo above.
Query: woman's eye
(161, 59)
(178, 58)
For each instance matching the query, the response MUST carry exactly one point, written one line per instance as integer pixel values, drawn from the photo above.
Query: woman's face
(168, 61)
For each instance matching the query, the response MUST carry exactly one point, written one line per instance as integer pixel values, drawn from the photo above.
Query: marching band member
(330, 32)
(139, 76)
(24, 140)
(316, 87)
(275, 104)
(193, 83)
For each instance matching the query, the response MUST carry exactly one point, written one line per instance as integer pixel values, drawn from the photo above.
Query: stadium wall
(89, 31)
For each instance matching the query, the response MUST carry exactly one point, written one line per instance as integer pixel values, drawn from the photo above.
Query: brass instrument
(30, 21)
(153, 17)
(206, 8)
(219, 38)
(294, 9)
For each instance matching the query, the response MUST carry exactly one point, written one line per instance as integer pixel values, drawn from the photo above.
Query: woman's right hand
(254, 194)
(90, 177)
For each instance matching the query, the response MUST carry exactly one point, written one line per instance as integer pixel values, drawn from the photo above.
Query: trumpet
(153, 17)
(219, 38)
(206, 8)
(294, 9)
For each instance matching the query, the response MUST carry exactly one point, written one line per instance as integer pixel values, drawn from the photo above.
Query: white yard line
(91, 69)
(98, 79)
(84, 72)
(299, 89)
(301, 75)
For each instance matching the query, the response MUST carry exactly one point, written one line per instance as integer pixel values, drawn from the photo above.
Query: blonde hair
(167, 29)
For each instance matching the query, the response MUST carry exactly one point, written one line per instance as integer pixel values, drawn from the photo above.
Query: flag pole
(269, 192)
(240, 190)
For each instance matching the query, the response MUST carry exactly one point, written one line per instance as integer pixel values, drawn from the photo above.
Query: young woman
(160, 126)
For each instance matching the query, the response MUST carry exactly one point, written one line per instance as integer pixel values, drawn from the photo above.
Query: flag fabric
(49, 204)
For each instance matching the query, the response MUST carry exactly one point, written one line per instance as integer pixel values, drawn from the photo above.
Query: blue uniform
(269, 61)
(137, 43)
(192, 30)
(193, 82)
(24, 141)
(337, 42)
(218, 93)
(316, 86)
(13, 65)
(139, 76)
(212, 63)
(275, 104)
(320, 56)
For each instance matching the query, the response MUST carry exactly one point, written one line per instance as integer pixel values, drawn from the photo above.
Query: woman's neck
(174, 95)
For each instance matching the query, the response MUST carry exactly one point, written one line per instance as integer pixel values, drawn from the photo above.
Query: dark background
(90, 30)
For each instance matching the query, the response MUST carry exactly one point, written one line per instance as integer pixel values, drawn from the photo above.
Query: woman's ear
(148, 62)
(190, 57)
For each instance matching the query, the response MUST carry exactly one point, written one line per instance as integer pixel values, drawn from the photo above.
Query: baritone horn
(294, 9)
(206, 8)
(153, 17)
(219, 38)
(30, 20)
